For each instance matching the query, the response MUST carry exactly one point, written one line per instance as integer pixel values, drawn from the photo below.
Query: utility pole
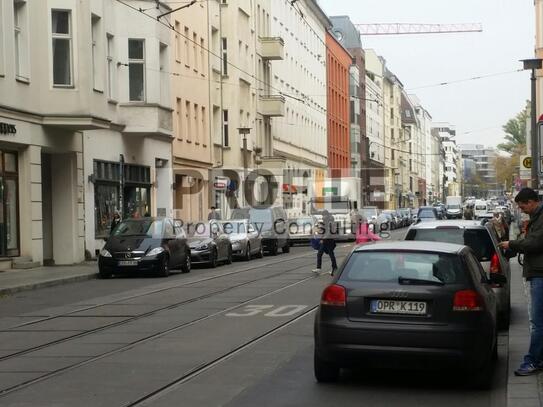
(243, 131)
(533, 64)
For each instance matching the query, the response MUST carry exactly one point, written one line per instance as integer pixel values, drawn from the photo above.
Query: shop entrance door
(9, 205)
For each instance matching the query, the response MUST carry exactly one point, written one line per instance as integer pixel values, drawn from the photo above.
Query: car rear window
(478, 239)
(390, 266)
(427, 213)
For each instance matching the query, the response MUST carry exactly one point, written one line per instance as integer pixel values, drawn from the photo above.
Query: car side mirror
(497, 279)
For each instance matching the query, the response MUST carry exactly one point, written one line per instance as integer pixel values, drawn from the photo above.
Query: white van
(481, 208)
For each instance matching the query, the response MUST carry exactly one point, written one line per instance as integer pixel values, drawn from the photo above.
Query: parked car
(406, 215)
(301, 229)
(157, 245)
(244, 237)
(209, 244)
(427, 213)
(387, 221)
(396, 218)
(482, 239)
(271, 222)
(408, 304)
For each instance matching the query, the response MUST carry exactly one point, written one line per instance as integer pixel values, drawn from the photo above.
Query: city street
(238, 335)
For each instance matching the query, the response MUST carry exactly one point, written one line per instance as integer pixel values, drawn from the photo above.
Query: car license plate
(128, 263)
(398, 307)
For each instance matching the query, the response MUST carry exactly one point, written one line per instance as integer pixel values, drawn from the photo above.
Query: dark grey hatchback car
(408, 305)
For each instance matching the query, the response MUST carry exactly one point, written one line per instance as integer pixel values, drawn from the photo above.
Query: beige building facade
(190, 90)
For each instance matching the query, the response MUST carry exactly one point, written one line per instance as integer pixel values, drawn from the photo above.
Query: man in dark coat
(328, 242)
(531, 246)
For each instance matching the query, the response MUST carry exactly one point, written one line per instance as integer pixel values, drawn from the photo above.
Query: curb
(49, 283)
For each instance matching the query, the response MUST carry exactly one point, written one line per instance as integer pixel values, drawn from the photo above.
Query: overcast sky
(477, 108)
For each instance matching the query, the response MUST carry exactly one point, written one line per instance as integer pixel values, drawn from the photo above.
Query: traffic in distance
(391, 304)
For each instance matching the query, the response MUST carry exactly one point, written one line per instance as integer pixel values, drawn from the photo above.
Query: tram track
(193, 372)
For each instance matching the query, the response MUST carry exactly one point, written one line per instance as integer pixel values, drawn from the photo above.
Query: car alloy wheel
(213, 261)
(261, 252)
(188, 264)
(164, 267)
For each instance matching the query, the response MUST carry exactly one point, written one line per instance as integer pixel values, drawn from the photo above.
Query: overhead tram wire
(320, 110)
(466, 79)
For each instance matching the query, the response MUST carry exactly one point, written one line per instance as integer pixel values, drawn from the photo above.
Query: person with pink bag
(364, 234)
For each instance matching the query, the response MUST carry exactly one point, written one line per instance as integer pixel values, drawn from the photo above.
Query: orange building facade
(338, 62)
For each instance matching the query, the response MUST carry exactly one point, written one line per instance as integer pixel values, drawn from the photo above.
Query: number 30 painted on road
(282, 311)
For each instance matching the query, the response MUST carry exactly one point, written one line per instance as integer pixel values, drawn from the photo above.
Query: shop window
(106, 203)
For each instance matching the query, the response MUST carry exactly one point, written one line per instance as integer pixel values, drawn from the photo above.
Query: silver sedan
(245, 238)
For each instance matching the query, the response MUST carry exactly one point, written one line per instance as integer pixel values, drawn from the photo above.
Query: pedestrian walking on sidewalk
(531, 245)
(327, 243)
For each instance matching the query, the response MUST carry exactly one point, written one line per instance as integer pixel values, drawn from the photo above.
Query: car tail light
(334, 295)
(495, 264)
(467, 300)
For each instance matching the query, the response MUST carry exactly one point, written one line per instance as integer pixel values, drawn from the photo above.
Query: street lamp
(533, 64)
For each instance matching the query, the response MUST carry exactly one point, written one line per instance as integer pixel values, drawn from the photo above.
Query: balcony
(272, 106)
(272, 48)
(146, 119)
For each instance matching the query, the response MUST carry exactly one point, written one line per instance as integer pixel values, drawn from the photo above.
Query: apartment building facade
(190, 91)
(338, 63)
(84, 92)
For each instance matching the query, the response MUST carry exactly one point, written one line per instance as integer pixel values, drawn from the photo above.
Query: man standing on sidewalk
(532, 248)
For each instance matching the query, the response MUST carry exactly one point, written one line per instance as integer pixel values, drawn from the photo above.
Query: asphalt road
(239, 335)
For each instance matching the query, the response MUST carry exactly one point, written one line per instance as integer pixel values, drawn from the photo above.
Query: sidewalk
(521, 391)
(12, 281)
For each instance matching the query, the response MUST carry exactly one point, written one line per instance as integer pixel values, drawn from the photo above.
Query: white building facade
(83, 91)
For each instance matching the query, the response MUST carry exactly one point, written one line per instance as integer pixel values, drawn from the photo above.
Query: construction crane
(407, 28)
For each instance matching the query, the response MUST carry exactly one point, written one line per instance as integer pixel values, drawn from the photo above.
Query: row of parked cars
(412, 304)
(159, 245)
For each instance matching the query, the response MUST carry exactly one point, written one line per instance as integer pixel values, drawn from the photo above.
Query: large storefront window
(9, 204)
(106, 203)
(135, 200)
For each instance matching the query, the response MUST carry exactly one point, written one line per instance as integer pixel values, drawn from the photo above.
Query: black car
(408, 305)
(155, 245)
(209, 244)
(271, 222)
(482, 239)
(428, 213)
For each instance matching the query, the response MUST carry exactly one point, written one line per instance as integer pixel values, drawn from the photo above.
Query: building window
(62, 48)
(226, 140)
(187, 121)
(136, 70)
(202, 56)
(95, 34)
(224, 54)
(196, 124)
(110, 67)
(164, 74)
(186, 53)
(195, 51)
(204, 126)
(177, 41)
(21, 38)
(179, 118)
